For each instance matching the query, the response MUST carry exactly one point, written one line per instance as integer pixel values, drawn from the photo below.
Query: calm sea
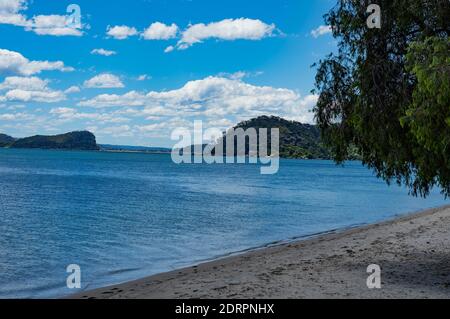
(124, 216)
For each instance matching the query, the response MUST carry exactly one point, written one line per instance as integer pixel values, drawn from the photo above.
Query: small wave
(121, 271)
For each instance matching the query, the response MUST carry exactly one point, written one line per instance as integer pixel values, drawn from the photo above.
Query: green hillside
(6, 140)
(297, 140)
(71, 141)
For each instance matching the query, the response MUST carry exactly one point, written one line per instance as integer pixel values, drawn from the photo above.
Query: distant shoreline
(296, 141)
(80, 150)
(332, 265)
(154, 153)
(127, 151)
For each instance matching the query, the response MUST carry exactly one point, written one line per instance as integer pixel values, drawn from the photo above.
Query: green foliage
(386, 91)
(429, 113)
(6, 140)
(297, 140)
(71, 141)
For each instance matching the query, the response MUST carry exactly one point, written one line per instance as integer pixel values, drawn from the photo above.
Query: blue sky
(136, 70)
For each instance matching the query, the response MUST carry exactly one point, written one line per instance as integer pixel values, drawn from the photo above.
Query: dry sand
(413, 252)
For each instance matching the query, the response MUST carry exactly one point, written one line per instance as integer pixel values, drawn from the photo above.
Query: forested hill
(297, 140)
(6, 140)
(82, 140)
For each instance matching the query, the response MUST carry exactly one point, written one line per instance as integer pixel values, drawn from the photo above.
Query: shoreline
(327, 265)
(158, 153)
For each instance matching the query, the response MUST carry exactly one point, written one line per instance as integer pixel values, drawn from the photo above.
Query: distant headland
(80, 140)
(297, 140)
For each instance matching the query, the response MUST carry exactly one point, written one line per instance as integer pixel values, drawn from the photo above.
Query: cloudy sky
(133, 71)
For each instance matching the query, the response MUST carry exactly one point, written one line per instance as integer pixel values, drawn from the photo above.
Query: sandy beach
(413, 253)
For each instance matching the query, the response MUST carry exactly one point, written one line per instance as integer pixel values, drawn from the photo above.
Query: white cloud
(103, 52)
(46, 96)
(14, 62)
(228, 29)
(322, 30)
(104, 81)
(29, 89)
(132, 98)
(116, 131)
(23, 83)
(151, 127)
(62, 111)
(215, 98)
(16, 107)
(221, 123)
(8, 117)
(239, 75)
(143, 77)
(55, 25)
(160, 31)
(72, 89)
(67, 114)
(12, 6)
(121, 32)
(169, 49)
(35, 67)
(10, 12)
(161, 129)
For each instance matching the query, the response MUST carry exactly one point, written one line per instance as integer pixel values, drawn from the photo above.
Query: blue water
(125, 216)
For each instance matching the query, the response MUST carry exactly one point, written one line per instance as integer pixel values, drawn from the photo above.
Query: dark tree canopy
(386, 91)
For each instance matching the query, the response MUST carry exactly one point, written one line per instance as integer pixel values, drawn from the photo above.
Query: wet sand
(413, 253)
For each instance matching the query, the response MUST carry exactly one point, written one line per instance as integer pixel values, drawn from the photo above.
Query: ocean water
(124, 216)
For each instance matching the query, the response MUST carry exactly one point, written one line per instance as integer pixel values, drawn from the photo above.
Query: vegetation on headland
(297, 140)
(81, 140)
(387, 91)
(6, 140)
